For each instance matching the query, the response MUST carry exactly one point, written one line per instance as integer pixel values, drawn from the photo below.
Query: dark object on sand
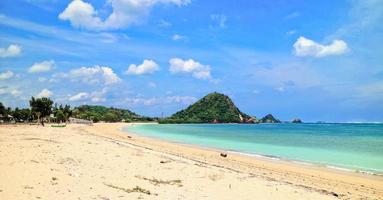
(223, 155)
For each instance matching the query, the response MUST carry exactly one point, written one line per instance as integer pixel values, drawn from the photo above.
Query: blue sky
(317, 60)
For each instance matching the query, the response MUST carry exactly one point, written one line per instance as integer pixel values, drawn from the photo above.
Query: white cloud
(99, 96)
(364, 15)
(93, 75)
(197, 70)
(78, 97)
(11, 51)
(291, 32)
(164, 24)
(307, 47)
(6, 75)
(6, 90)
(372, 91)
(43, 66)
(280, 89)
(177, 37)
(124, 13)
(96, 96)
(147, 67)
(292, 15)
(142, 101)
(3, 90)
(45, 93)
(185, 100)
(15, 92)
(219, 19)
(282, 76)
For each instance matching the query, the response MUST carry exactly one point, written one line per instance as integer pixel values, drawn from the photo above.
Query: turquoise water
(350, 146)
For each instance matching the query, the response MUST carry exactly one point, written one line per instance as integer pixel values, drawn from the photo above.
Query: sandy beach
(102, 162)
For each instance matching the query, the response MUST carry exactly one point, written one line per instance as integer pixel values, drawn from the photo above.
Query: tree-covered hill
(213, 108)
(101, 113)
(269, 119)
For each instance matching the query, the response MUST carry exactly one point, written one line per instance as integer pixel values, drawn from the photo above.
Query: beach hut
(80, 121)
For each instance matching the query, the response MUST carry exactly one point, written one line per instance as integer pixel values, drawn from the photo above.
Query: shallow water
(349, 146)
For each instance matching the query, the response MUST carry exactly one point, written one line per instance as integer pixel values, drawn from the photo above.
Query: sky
(314, 60)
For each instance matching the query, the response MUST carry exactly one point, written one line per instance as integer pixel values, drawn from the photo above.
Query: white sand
(100, 162)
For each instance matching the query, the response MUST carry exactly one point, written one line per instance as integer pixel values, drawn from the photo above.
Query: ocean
(347, 146)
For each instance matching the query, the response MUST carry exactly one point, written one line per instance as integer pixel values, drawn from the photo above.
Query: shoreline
(104, 162)
(358, 178)
(258, 156)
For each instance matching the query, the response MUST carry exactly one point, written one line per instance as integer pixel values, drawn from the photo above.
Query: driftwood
(223, 155)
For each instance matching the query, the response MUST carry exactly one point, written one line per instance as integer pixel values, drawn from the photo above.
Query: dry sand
(101, 162)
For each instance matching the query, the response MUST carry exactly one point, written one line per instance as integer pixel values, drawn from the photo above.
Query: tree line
(44, 109)
(39, 110)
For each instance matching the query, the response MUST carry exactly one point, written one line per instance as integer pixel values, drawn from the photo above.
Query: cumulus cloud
(78, 97)
(307, 47)
(43, 66)
(147, 67)
(45, 93)
(198, 70)
(11, 51)
(93, 75)
(6, 75)
(124, 13)
(96, 96)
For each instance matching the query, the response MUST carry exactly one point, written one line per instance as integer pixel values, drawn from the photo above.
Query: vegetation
(156, 182)
(41, 110)
(137, 189)
(62, 113)
(269, 119)
(101, 113)
(41, 107)
(213, 108)
(22, 115)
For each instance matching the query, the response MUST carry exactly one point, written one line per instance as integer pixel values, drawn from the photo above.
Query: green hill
(269, 119)
(213, 108)
(101, 113)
